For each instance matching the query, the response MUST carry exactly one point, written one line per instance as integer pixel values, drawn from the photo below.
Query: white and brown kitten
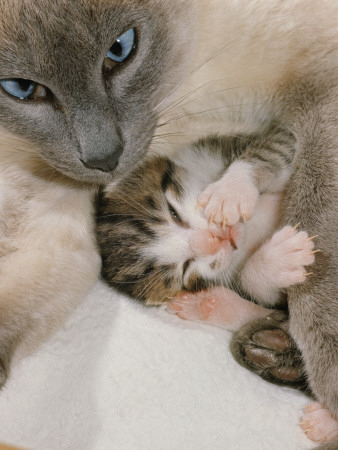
(86, 84)
(157, 246)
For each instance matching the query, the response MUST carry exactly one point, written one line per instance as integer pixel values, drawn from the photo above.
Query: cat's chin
(88, 176)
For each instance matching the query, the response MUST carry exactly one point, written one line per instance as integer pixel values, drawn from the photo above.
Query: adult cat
(84, 84)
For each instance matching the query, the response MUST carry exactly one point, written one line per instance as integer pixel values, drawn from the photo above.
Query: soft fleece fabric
(119, 376)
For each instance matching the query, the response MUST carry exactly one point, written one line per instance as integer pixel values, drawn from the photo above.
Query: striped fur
(135, 215)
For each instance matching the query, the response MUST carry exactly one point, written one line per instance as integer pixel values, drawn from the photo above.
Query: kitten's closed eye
(174, 214)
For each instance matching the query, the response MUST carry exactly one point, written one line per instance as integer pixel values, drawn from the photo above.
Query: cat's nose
(107, 164)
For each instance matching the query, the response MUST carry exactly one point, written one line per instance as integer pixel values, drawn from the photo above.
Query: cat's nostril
(107, 164)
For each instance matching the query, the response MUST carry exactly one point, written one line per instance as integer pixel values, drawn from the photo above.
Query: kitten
(156, 246)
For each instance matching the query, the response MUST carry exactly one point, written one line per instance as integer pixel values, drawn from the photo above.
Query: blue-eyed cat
(88, 85)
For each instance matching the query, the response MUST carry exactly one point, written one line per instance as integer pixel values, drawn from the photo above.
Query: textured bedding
(120, 376)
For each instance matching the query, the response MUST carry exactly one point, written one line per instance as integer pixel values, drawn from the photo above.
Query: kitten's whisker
(155, 277)
(137, 205)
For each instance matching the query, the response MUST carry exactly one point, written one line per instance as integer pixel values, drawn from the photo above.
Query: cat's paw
(286, 255)
(265, 347)
(318, 423)
(231, 199)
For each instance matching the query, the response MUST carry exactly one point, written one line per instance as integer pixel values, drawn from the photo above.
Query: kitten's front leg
(217, 306)
(264, 166)
(231, 198)
(279, 263)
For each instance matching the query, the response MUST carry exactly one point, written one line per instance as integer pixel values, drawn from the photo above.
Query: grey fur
(90, 115)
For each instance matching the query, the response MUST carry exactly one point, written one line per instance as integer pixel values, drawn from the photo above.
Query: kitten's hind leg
(217, 306)
(264, 347)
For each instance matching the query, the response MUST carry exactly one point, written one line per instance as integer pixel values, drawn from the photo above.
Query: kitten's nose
(206, 242)
(203, 242)
(107, 164)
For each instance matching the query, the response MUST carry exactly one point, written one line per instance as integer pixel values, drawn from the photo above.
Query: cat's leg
(265, 166)
(217, 306)
(279, 263)
(312, 200)
(53, 266)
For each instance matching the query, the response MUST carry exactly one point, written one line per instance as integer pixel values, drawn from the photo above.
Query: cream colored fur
(49, 258)
(245, 53)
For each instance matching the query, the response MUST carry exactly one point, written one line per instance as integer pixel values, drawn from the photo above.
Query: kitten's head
(154, 242)
(80, 79)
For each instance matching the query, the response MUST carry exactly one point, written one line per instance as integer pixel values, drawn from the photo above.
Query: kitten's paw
(286, 255)
(318, 423)
(228, 201)
(204, 306)
(264, 347)
(216, 306)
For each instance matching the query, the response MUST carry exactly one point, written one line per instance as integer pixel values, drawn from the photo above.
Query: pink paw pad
(199, 306)
(287, 253)
(318, 423)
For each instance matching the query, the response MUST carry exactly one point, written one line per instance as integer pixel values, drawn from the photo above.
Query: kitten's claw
(318, 423)
(231, 199)
(287, 254)
(296, 226)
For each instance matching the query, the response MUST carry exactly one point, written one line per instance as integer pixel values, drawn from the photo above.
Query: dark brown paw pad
(264, 347)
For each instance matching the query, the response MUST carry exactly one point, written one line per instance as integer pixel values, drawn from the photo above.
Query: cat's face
(81, 79)
(154, 243)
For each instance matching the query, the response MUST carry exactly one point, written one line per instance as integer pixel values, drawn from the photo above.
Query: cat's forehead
(42, 37)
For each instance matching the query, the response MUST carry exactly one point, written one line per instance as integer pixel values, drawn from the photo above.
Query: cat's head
(154, 242)
(80, 79)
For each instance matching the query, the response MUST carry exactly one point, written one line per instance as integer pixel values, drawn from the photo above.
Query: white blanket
(119, 376)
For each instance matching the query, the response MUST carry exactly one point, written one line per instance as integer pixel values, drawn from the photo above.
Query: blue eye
(123, 46)
(19, 88)
(24, 89)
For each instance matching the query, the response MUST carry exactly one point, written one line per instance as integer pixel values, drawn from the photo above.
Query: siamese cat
(88, 87)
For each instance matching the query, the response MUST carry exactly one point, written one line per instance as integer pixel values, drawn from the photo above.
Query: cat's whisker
(208, 111)
(208, 94)
(179, 101)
